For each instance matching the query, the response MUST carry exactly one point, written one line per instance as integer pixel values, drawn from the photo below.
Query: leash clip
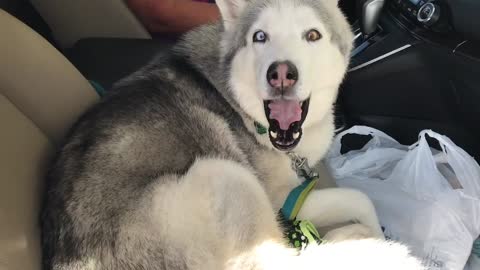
(301, 167)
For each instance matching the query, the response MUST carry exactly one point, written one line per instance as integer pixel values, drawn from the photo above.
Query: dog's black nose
(282, 75)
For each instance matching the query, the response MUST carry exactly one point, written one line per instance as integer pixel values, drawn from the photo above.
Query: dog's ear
(230, 10)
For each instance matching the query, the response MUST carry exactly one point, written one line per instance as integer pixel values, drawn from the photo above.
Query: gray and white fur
(167, 172)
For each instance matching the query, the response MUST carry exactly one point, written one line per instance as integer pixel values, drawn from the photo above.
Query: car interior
(415, 65)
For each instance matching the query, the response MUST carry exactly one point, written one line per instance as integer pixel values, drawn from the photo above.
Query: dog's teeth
(296, 135)
(273, 134)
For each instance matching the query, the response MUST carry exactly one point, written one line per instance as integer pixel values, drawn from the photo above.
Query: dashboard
(456, 17)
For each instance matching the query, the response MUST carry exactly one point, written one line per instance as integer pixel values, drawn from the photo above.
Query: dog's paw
(351, 232)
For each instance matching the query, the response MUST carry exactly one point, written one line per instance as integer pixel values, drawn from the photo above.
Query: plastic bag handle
(359, 130)
(445, 142)
(463, 165)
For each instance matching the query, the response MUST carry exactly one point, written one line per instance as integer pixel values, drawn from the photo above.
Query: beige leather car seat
(72, 20)
(41, 95)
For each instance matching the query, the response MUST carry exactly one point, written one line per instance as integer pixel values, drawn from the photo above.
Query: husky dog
(173, 171)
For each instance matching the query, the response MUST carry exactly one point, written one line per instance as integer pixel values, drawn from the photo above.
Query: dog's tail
(368, 254)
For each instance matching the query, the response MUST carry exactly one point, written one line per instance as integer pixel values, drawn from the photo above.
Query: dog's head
(285, 60)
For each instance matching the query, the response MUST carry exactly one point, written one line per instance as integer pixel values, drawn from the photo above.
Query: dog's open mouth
(285, 118)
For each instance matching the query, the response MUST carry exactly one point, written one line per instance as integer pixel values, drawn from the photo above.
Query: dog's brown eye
(313, 35)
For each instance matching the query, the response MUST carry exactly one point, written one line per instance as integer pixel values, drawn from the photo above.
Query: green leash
(299, 233)
(98, 88)
(297, 197)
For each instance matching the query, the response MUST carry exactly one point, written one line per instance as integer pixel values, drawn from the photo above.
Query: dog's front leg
(336, 206)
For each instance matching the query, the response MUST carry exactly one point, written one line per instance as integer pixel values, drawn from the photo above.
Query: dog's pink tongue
(285, 112)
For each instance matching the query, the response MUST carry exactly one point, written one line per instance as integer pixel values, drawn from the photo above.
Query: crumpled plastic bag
(425, 198)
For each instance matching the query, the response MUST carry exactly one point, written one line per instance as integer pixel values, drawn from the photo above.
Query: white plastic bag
(425, 198)
(377, 157)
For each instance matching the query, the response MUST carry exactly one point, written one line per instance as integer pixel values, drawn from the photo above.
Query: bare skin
(173, 16)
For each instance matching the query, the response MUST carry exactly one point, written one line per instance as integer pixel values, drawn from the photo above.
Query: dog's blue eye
(260, 36)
